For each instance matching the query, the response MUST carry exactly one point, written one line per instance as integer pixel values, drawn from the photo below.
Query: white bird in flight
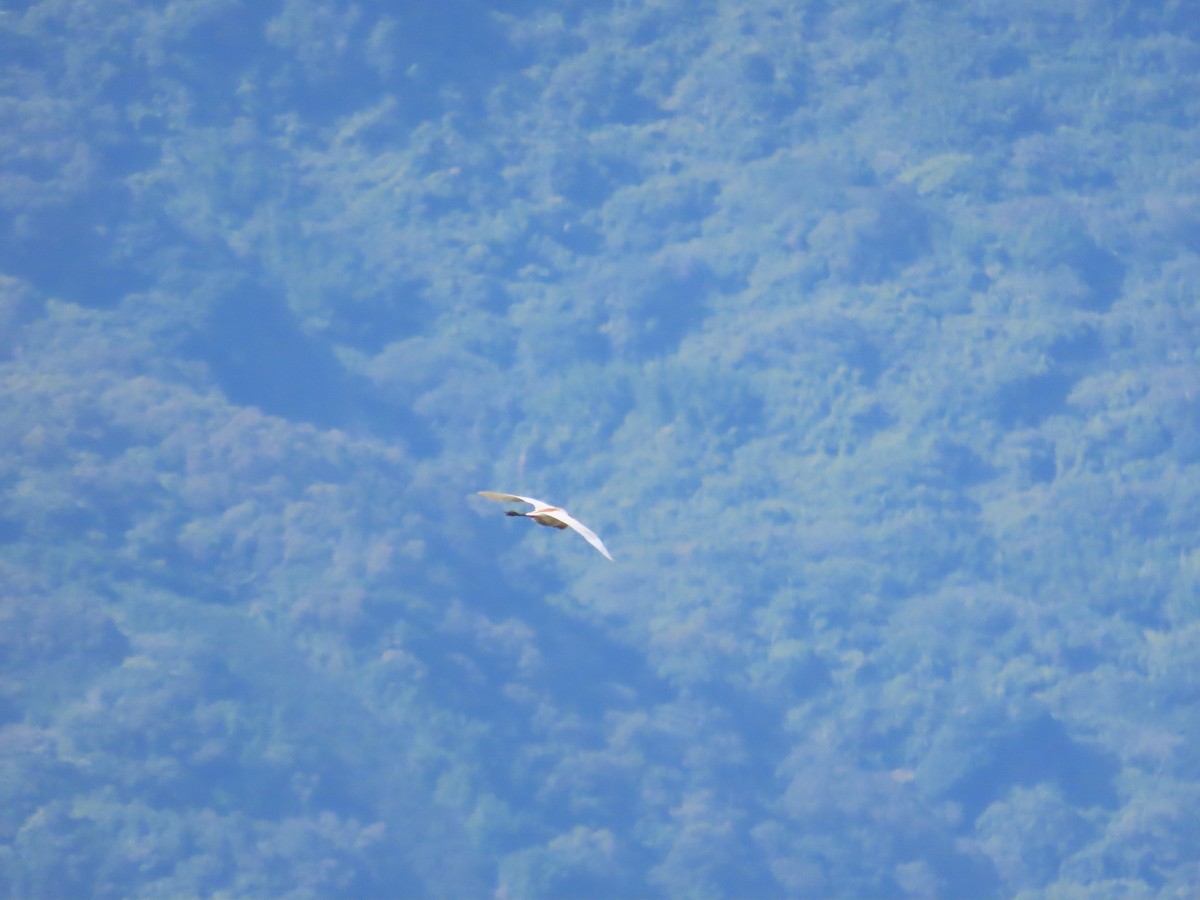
(545, 514)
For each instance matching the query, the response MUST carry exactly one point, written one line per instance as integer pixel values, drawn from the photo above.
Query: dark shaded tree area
(865, 334)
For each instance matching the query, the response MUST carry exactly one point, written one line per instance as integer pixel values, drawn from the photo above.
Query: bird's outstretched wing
(571, 522)
(511, 498)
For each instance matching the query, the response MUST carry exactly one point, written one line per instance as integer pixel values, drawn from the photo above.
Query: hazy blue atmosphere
(865, 334)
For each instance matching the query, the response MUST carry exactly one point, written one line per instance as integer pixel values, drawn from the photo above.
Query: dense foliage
(864, 333)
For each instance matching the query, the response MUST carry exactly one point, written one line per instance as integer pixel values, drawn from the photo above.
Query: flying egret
(545, 514)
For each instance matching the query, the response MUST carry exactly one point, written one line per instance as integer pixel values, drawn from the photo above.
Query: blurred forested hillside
(865, 334)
